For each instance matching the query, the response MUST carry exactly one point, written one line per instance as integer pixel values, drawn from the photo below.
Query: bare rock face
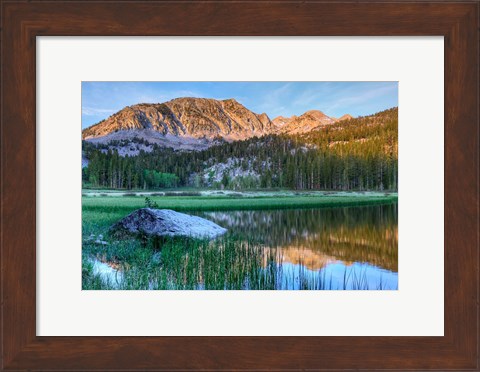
(166, 223)
(279, 122)
(311, 120)
(191, 117)
(307, 122)
(345, 117)
(181, 122)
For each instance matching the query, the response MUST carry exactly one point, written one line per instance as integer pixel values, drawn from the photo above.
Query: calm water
(359, 244)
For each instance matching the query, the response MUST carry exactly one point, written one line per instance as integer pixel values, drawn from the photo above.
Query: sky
(102, 99)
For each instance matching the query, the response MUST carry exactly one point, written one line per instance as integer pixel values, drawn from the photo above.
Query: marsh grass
(226, 263)
(229, 203)
(223, 264)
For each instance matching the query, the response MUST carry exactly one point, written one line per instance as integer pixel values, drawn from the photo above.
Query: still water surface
(351, 248)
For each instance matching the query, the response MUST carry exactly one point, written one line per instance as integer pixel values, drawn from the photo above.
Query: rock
(90, 239)
(95, 240)
(101, 242)
(166, 223)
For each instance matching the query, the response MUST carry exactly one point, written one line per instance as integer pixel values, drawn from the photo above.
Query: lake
(344, 248)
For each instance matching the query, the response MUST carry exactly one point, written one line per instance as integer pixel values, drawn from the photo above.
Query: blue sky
(101, 99)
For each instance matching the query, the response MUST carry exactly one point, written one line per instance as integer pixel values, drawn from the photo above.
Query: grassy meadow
(228, 262)
(235, 201)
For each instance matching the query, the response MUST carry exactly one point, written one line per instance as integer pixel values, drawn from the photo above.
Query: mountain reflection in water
(334, 240)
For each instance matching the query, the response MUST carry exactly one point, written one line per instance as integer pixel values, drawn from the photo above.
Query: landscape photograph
(239, 185)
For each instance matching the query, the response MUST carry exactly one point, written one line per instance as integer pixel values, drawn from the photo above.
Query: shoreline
(125, 203)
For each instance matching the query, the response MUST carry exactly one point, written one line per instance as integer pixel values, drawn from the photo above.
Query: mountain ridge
(187, 116)
(202, 118)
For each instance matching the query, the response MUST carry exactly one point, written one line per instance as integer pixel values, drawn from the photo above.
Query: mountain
(350, 154)
(279, 122)
(345, 117)
(195, 123)
(311, 120)
(197, 118)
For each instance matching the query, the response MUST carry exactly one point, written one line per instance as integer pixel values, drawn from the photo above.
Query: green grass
(182, 263)
(219, 203)
(223, 264)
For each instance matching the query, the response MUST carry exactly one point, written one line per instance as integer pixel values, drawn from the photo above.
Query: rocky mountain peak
(308, 121)
(314, 113)
(202, 118)
(345, 117)
(187, 117)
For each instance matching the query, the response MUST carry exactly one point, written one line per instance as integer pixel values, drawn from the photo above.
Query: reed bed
(223, 264)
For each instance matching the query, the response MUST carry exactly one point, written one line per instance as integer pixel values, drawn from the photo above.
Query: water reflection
(338, 240)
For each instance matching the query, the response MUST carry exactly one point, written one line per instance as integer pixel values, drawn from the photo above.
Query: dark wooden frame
(22, 21)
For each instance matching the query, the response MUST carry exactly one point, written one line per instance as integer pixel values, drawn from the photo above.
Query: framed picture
(239, 185)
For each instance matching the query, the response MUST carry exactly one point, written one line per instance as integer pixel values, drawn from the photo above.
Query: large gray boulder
(166, 223)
